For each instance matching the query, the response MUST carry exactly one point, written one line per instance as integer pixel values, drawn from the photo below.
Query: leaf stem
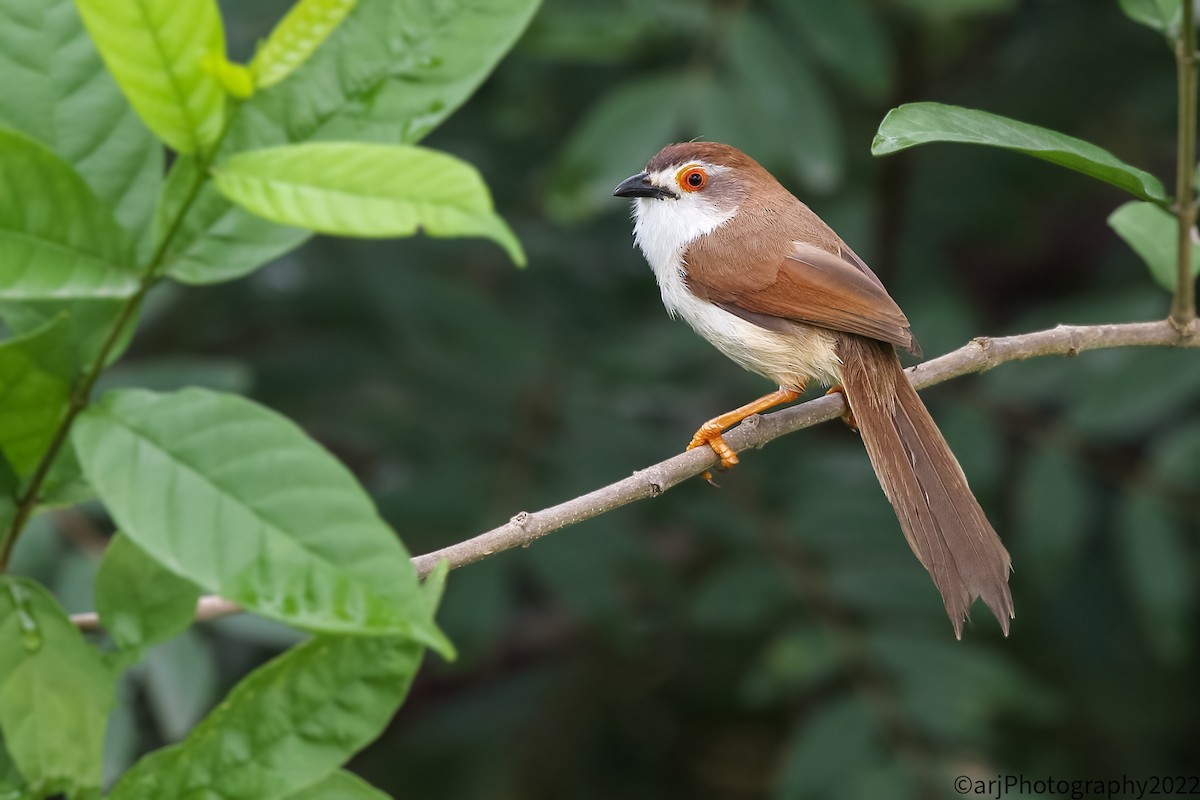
(82, 392)
(1183, 306)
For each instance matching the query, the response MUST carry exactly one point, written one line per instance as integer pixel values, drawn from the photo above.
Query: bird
(765, 280)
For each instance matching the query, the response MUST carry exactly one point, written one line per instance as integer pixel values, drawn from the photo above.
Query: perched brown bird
(764, 279)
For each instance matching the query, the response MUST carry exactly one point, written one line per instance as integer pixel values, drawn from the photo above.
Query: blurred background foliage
(774, 638)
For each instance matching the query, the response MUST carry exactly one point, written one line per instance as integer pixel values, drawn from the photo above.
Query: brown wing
(808, 283)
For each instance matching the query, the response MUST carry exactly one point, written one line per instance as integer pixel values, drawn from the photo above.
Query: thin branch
(1183, 306)
(82, 391)
(979, 355)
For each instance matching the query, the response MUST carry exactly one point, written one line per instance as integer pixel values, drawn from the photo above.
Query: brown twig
(979, 355)
(1183, 305)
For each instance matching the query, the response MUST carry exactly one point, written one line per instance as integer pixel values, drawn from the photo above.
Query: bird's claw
(711, 436)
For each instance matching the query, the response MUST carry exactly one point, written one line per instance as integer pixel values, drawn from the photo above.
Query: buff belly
(790, 357)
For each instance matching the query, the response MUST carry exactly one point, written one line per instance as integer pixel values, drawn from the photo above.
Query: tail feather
(940, 517)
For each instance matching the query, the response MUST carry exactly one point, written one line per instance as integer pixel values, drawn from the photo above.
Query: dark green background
(774, 638)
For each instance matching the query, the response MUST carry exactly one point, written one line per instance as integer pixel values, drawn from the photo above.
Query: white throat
(663, 229)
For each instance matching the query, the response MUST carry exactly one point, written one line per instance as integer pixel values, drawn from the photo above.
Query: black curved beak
(640, 186)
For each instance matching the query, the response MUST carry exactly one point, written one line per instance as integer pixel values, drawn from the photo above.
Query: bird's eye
(692, 179)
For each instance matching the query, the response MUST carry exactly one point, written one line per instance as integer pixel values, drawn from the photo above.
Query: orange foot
(847, 417)
(710, 433)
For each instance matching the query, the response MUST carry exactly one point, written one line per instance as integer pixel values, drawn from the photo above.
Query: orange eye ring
(692, 179)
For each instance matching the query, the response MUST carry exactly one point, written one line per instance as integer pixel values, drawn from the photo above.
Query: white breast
(663, 229)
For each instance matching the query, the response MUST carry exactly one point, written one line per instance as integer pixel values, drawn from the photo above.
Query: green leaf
(155, 49)
(170, 373)
(788, 96)
(217, 241)
(56, 239)
(1151, 231)
(920, 123)
(33, 395)
(848, 37)
(12, 785)
(55, 692)
(1160, 573)
(434, 585)
(57, 91)
(798, 660)
(391, 72)
(288, 725)
(832, 743)
(179, 683)
(607, 33)
(739, 594)
(341, 785)
(614, 140)
(1054, 507)
(1113, 403)
(236, 79)
(366, 190)
(240, 501)
(952, 8)
(296, 38)
(139, 602)
(1176, 456)
(84, 324)
(1163, 16)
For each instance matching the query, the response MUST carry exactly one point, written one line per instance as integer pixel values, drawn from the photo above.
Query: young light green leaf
(155, 49)
(1151, 231)
(217, 240)
(139, 602)
(341, 785)
(34, 388)
(240, 501)
(921, 123)
(287, 726)
(55, 692)
(367, 190)
(391, 72)
(57, 241)
(296, 37)
(45, 58)
(1163, 16)
(236, 79)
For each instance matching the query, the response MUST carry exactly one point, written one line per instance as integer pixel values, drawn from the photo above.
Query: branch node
(653, 480)
(520, 519)
(1187, 331)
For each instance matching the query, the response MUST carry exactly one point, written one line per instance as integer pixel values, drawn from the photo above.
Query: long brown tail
(940, 517)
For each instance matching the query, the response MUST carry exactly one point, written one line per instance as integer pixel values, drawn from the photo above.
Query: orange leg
(848, 417)
(710, 432)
